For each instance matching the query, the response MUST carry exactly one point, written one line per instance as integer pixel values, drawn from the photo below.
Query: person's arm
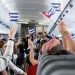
(4, 72)
(69, 44)
(10, 44)
(64, 43)
(31, 53)
(9, 50)
(31, 57)
(69, 41)
(15, 68)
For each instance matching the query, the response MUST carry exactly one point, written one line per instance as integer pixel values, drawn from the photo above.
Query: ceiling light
(4, 1)
(22, 22)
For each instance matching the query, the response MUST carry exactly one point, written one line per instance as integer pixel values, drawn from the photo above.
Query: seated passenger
(36, 41)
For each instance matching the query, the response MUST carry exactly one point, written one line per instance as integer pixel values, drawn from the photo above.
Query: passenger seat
(56, 65)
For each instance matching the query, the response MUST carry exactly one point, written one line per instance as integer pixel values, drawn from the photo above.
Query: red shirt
(32, 70)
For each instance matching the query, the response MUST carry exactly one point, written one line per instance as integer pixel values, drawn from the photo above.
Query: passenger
(7, 56)
(36, 41)
(52, 47)
(68, 42)
(23, 50)
(32, 70)
(37, 46)
(1, 53)
(13, 68)
(47, 48)
(20, 58)
(44, 38)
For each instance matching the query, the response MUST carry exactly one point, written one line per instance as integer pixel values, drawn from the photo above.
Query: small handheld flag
(54, 8)
(31, 30)
(14, 16)
(49, 13)
(57, 6)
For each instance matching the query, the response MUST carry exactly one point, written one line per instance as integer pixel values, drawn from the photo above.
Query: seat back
(56, 65)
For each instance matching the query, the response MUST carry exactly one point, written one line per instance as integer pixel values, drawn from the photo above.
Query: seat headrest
(56, 65)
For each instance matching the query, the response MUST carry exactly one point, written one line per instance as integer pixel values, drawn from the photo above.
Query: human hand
(12, 33)
(62, 27)
(25, 73)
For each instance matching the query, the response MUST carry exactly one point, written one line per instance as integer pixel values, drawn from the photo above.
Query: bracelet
(65, 33)
(12, 40)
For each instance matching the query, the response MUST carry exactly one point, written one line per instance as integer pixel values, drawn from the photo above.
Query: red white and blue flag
(14, 16)
(49, 13)
(32, 29)
(55, 7)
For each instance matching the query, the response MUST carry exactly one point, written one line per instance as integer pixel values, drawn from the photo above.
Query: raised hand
(62, 27)
(12, 33)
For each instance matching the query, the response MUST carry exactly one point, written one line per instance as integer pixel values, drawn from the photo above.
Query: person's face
(28, 37)
(37, 36)
(44, 35)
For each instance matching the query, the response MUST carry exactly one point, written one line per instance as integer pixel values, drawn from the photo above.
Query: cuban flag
(14, 16)
(49, 13)
(55, 7)
(32, 29)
